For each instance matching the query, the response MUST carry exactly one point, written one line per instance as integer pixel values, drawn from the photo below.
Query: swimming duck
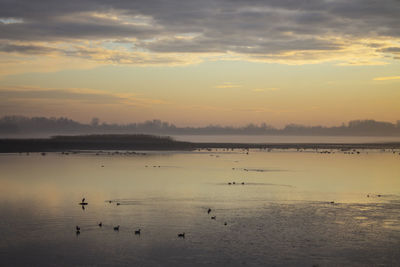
(181, 235)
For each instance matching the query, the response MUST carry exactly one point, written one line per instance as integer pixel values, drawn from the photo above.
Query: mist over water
(281, 216)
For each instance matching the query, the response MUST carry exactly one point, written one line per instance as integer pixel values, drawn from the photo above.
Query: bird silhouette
(182, 235)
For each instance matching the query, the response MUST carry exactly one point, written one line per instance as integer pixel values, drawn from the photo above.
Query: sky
(195, 63)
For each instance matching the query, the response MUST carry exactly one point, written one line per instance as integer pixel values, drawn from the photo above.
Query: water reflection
(326, 209)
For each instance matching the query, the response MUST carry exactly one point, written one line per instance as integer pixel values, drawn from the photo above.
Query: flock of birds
(100, 224)
(138, 231)
(231, 183)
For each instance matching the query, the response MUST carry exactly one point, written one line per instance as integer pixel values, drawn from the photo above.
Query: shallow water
(281, 216)
(286, 139)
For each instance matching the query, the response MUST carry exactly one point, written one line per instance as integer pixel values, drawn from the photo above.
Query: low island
(152, 142)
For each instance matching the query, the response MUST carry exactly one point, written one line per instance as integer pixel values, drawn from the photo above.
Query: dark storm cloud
(241, 26)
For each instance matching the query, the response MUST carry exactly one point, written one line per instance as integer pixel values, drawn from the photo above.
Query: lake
(286, 139)
(294, 208)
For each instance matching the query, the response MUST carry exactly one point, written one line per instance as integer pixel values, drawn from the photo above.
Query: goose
(116, 228)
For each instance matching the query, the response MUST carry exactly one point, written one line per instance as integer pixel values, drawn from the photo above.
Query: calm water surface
(285, 139)
(281, 216)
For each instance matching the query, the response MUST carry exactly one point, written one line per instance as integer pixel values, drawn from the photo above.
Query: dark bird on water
(116, 228)
(181, 235)
(77, 228)
(225, 223)
(137, 232)
(100, 224)
(118, 204)
(213, 217)
(209, 210)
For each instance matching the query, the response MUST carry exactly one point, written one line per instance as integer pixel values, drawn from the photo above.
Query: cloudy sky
(190, 62)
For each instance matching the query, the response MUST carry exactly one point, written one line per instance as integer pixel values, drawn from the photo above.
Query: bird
(116, 228)
(242, 183)
(181, 235)
(233, 183)
(83, 202)
(229, 183)
(225, 223)
(209, 210)
(213, 217)
(137, 232)
(100, 224)
(118, 204)
(77, 228)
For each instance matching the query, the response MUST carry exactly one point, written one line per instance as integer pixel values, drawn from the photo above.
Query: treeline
(13, 126)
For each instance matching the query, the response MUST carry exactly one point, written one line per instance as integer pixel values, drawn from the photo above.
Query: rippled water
(281, 216)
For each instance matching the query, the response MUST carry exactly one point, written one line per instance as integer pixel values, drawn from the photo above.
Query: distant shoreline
(153, 143)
